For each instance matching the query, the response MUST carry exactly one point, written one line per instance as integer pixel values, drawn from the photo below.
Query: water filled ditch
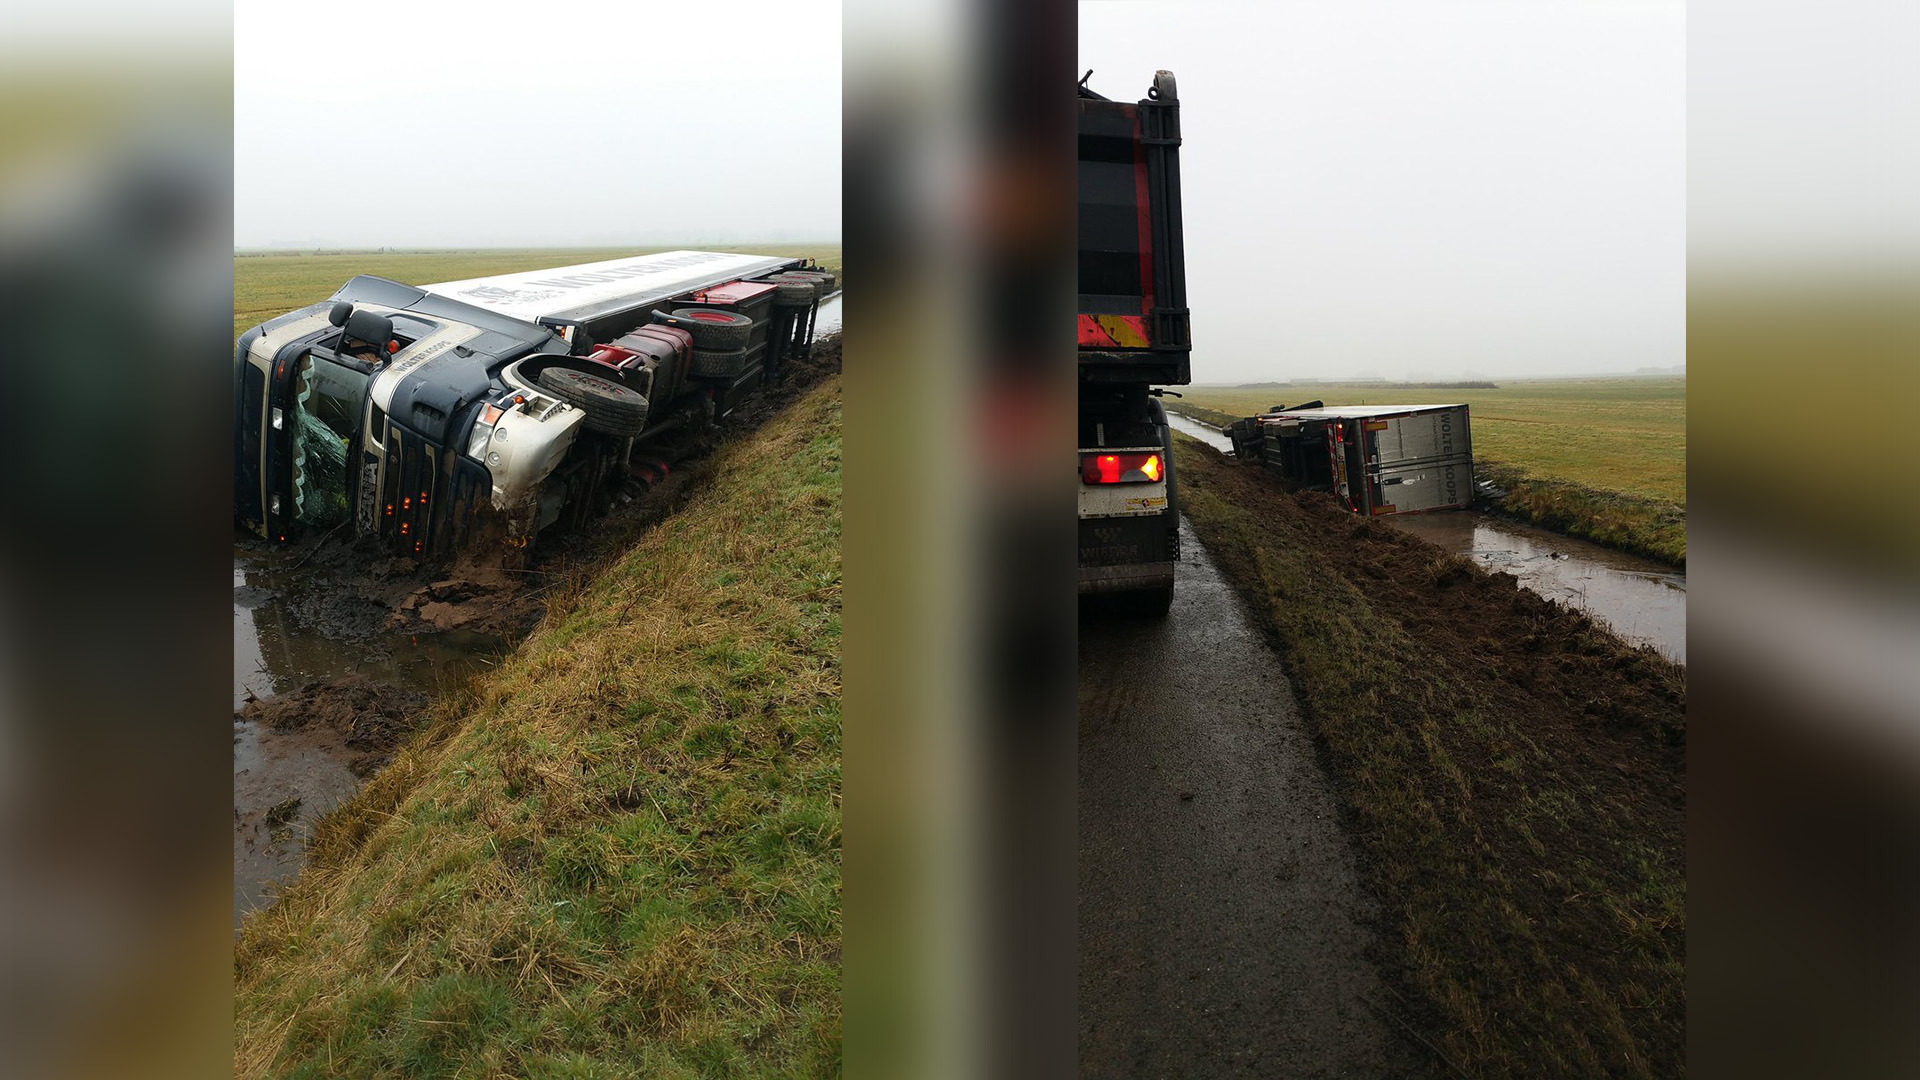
(1643, 601)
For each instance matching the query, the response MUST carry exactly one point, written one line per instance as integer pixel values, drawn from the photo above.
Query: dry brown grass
(618, 853)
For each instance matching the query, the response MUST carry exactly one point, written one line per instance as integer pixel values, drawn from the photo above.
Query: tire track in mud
(1222, 927)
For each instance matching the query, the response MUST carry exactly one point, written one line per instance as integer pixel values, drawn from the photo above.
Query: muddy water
(1643, 601)
(1213, 437)
(274, 653)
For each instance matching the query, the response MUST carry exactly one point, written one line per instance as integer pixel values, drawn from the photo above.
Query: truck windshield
(326, 412)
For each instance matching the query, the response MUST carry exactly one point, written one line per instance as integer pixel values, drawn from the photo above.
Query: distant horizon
(332, 248)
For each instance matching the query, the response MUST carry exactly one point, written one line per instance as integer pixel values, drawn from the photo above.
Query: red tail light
(1122, 468)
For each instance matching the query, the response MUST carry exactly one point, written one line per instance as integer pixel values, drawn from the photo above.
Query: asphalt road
(1222, 928)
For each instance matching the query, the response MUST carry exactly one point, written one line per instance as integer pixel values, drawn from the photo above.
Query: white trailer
(1377, 459)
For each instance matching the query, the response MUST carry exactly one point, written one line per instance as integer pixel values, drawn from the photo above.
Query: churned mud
(338, 645)
(368, 718)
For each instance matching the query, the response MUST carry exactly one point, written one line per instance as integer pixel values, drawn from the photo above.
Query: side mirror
(373, 328)
(337, 315)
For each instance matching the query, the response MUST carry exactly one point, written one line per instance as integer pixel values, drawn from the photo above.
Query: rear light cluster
(1122, 468)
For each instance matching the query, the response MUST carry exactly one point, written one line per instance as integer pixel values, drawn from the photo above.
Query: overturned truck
(1376, 459)
(430, 417)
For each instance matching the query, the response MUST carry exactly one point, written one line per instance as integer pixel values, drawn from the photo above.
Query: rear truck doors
(1133, 320)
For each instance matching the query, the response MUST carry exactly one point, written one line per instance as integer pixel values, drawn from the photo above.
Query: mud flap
(1125, 554)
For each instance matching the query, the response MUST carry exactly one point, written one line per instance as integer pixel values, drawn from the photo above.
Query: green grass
(1512, 775)
(617, 854)
(1601, 459)
(266, 284)
(1630, 523)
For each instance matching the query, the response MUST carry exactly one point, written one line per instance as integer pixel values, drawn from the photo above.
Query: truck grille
(430, 499)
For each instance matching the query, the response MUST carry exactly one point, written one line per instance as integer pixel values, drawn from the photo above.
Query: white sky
(1420, 189)
(553, 124)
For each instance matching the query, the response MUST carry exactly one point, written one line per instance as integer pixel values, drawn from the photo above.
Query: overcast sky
(550, 124)
(1420, 189)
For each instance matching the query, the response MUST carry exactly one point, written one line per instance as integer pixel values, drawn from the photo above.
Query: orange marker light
(1142, 468)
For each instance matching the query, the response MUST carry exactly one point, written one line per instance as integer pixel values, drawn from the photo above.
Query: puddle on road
(273, 653)
(1643, 601)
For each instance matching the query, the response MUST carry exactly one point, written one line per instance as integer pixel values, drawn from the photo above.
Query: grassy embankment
(1512, 775)
(618, 853)
(1600, 459)
(270, 283)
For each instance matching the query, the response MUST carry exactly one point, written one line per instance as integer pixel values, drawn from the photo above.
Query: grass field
(1623, 435)
(1512, 775)
(1601, 459)
(618, 853)
(266, 284)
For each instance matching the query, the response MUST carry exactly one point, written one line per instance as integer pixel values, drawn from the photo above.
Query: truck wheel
(713, 329)
(795, 293)
(819, 277)
(611, 408)
(717, 363)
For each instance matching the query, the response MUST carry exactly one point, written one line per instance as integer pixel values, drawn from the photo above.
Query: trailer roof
(592, 289)
(1355, 412)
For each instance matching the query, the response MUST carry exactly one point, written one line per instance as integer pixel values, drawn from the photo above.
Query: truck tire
(611, 408)
(819, 277)
(795, 292)
(718, 363)
(713, 329)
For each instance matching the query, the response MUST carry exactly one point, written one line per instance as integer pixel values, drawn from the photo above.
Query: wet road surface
(1222, 928)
